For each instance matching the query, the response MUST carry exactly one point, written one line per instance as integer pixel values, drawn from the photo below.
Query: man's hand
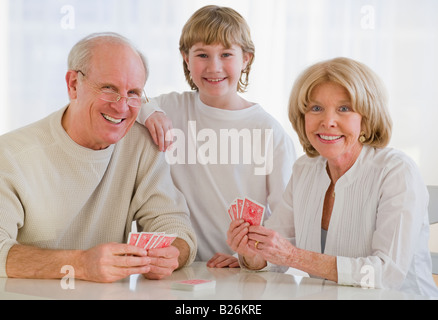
(160, 128)
(163, 262)
(112, 262)
(105, 263)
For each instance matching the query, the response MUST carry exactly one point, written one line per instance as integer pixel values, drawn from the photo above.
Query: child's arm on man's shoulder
(158, 124)
(160, 128)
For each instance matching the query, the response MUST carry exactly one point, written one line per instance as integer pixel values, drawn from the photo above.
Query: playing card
(144, 239)
(230, 213)
(133, 238)
(151, 240)
(158, 240)
(155, 237)
(134, 226)
(239, 202)
(166, 241)
(234, 211)
(253, 212)
(194, 285)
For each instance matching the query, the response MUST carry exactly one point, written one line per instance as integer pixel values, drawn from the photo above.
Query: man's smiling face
(98, 123)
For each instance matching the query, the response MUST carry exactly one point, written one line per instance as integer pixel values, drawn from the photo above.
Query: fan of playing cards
(151, 240)
(248, 210)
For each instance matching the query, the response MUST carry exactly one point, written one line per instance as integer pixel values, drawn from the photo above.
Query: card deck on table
(194, 285)
(248, 210)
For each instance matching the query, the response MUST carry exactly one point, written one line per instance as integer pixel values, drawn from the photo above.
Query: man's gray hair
(80, 55)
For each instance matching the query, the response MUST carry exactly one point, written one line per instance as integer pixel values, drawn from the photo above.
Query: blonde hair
(217, 25)
(367, 93)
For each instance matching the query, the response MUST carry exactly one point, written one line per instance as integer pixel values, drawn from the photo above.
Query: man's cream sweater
(55, 194)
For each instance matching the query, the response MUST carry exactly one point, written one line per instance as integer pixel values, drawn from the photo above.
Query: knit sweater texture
(56, 194)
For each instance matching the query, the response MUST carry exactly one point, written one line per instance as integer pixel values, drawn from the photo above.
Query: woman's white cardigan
(379, 228)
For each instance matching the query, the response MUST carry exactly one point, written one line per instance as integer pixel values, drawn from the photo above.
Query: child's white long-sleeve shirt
(219, 155)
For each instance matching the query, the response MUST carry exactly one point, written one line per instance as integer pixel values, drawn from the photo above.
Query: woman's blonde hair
(367, 93)
(217, 25)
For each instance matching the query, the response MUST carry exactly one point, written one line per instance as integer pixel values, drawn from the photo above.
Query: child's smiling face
(216, 71)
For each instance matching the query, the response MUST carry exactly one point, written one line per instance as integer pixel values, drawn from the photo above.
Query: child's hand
(222, 260)
(160, 128)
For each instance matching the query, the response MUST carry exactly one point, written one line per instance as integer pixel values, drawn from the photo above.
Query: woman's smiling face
(332, 127)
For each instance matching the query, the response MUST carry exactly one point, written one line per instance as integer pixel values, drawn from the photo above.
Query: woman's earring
(362, 137)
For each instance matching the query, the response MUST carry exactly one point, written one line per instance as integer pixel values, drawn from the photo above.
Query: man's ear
(72, 81)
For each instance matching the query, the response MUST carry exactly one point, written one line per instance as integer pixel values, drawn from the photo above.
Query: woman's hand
(270, 245)
(237, 237)
(238, 240)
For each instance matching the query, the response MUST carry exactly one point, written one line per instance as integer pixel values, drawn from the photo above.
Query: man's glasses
(109, 95)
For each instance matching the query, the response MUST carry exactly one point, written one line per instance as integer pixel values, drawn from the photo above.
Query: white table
(231, 284)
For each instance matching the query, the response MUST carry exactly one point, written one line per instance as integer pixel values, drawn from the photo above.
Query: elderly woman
(355, 210)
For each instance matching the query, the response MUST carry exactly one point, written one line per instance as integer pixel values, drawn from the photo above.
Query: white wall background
(397, 38)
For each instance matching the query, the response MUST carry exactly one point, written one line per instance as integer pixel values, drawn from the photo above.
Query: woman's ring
(256, 245)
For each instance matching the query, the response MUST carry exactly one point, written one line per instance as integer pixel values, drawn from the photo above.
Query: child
(225, 147)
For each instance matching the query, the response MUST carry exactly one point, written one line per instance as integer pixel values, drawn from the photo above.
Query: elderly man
(72, 184)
